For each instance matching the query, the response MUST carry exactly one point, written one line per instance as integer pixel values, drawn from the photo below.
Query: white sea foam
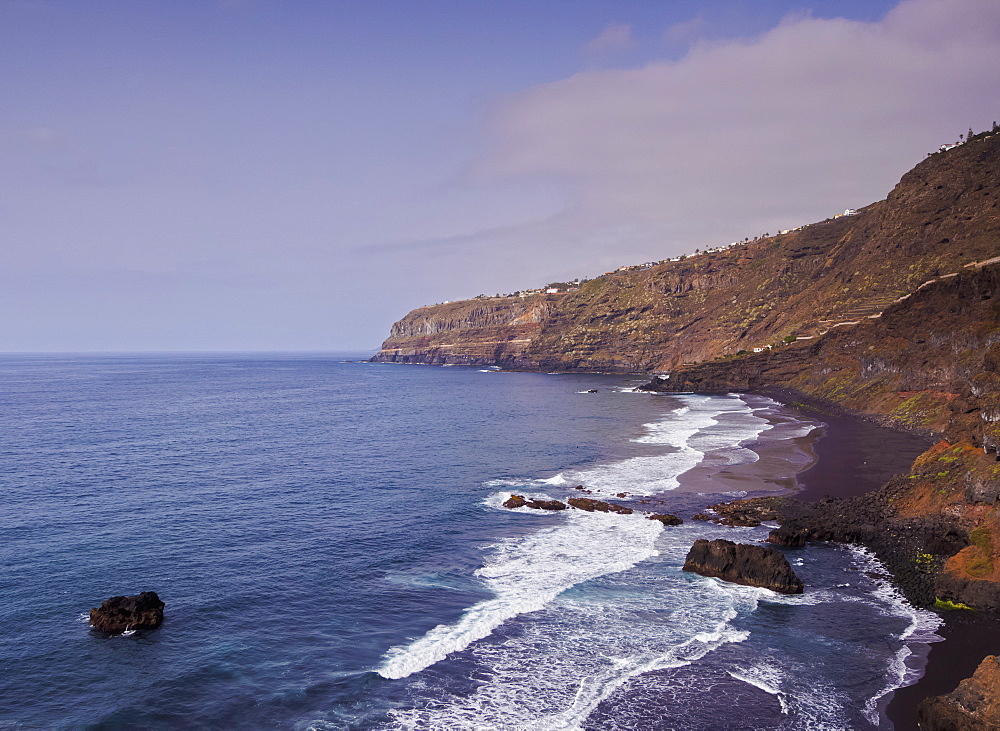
(704, 425)
(921, 629)
(528, 572)
(548, 647)
(553, 669)
(767, 678)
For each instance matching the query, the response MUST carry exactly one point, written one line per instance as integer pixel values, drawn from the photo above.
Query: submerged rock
(973, 706)
(745, 564)
(591, 505)
(665, 518)
(122, 613)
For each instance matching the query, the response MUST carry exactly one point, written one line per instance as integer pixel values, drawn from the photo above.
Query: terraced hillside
(942, 215)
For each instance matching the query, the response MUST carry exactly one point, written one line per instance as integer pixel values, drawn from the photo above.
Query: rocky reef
(123, 613)
(585, 503)
(742, 563)
(973, 706)
(746, 513)
(519, 501)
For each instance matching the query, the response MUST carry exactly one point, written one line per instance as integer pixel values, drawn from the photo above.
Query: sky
(260, 175)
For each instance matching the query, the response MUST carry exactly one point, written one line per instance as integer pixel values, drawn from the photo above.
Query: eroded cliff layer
(930, 362)
(942, 215)
(483, 331)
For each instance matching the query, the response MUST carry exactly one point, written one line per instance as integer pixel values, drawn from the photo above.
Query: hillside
(942, 215)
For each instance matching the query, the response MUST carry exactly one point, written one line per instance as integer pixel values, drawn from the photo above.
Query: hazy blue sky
(288, 175)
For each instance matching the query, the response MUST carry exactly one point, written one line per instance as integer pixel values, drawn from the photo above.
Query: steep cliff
(930, 362)
(482, 331)
(942, 215)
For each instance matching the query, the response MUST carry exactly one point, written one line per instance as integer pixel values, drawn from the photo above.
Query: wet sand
(855, 457)
(844, 456)
(968, 638)
(840, 457)
(784, 451)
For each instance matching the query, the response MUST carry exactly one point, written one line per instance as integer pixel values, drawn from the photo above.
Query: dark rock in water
(593, 390)
(973, 706)
(121, 613)
(515, 501)
(743, 513)
(590, 505)
(621, 494)
(665, 518)
(788, 537)
(546, 505)
(659, 383)
(745, 564)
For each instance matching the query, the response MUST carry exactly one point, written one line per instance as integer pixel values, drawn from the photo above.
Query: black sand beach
(854, 457)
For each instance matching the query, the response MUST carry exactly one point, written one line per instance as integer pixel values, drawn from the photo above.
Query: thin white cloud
(747, 136)
(612, 38)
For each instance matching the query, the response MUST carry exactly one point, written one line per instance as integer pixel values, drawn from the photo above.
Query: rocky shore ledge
(973, 706)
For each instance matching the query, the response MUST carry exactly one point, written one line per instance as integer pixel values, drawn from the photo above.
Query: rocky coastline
(891, 316)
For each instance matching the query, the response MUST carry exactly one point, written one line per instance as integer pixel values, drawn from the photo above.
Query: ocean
(330, 543)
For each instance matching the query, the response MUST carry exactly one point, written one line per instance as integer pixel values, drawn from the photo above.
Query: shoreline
(845, 467)
(845, 455)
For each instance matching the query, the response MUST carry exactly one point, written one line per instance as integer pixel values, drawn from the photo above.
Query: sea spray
(527, 573)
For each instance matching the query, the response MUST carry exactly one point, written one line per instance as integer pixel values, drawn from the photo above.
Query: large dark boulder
(973, 706)
(590, 505)
(121, 613)
(745, 564)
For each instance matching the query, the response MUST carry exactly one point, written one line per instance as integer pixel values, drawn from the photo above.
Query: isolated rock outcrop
(741, 563)
(973, 706)
(519, 501)
(665, 518)
(121, 613)
(590, 505)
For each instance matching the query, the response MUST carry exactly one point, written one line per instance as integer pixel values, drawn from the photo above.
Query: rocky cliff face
(470, 332)
(930, 362)
(973, 706)
(899, 311)
(942, 215)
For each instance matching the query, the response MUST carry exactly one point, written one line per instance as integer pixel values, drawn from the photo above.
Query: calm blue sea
(329, 540)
